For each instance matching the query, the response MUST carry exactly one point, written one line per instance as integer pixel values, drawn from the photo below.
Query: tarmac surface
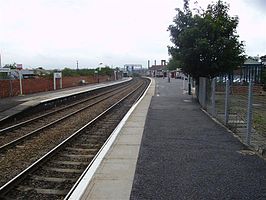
(184, 154)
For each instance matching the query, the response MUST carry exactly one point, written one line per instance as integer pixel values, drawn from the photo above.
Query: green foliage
(173, 64)
(87, 72)
(106, 71)
(4, 76)
(11, 66)
(80, 72)
(206, 43)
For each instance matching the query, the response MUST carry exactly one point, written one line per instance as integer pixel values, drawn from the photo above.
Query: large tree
(205, 42)
(173, 64)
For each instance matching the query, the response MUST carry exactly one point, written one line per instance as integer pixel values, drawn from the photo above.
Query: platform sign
(57, 75)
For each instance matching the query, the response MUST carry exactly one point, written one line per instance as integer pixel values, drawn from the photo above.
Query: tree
(263, 59)
(206, 43)
(11, 66)
(173, 64)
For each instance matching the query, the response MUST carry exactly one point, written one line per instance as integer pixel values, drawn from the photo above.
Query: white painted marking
(187, 100)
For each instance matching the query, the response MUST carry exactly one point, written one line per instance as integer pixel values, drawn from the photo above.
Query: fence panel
(238, 107)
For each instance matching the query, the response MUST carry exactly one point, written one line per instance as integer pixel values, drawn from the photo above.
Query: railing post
(213, 97)
(249, 112)
(226, 106)
(189, 85)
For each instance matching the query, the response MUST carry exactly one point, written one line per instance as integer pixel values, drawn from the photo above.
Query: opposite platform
(13, 105)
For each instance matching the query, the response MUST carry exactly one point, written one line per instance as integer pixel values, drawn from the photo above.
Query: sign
(58, 75)
(4, 70)
(19, 66)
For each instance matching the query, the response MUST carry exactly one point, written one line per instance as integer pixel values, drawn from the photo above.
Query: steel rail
(56, 111)
(99, 153)
(17, 179)
(33, 133)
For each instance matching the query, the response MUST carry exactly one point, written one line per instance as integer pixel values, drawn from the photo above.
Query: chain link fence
(239, 106)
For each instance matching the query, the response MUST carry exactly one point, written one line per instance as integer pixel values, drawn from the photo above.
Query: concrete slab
(134, 139)
(115, 169)
(104, 190)
(120, 151)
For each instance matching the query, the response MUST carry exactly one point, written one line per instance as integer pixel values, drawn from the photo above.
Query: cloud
(258, 5)
(57, 33)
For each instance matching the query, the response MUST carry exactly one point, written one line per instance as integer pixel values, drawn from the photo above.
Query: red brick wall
(29, 86)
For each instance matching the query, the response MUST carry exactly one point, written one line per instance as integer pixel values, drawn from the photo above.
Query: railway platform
(166, 148)
(169, 149)
(13, 105)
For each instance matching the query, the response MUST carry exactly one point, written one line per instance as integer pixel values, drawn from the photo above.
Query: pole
(249, 113)
(10, 85)
(115, 74)
(213, 97)
(20, 82)
(54, 82)
(189, 85)
(61, 82)
(226, 115)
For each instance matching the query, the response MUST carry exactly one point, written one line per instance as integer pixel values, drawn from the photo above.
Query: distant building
(130, 69)
(251, 70)
(158, 70)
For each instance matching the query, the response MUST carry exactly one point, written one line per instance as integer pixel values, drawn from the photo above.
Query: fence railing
(239, 106)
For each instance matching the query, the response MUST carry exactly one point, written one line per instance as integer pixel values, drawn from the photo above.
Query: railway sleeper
(91, 150)
(78, 159)
(77, 155)
(43, 191)
(52, 179)
(64, 170)
(56, 174)
(89, 145)
(64, 162)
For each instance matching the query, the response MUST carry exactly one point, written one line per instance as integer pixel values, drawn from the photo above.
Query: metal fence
(239, 106)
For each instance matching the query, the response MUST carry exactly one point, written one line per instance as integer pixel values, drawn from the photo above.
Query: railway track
(53, 175)
(48, 110)
(17, 133)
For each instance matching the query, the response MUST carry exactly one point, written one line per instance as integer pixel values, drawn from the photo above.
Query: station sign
(58, 75)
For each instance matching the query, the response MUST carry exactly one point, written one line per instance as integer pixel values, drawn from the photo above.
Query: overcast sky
(57, 33)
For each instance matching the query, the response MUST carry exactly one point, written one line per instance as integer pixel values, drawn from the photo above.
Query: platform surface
(184, 154)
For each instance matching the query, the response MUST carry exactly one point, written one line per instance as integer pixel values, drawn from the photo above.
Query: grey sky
(56, 33)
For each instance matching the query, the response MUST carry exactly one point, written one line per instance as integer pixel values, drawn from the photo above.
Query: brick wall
(12, 88)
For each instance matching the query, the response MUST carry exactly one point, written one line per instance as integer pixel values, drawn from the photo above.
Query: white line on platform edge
(84, 182)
